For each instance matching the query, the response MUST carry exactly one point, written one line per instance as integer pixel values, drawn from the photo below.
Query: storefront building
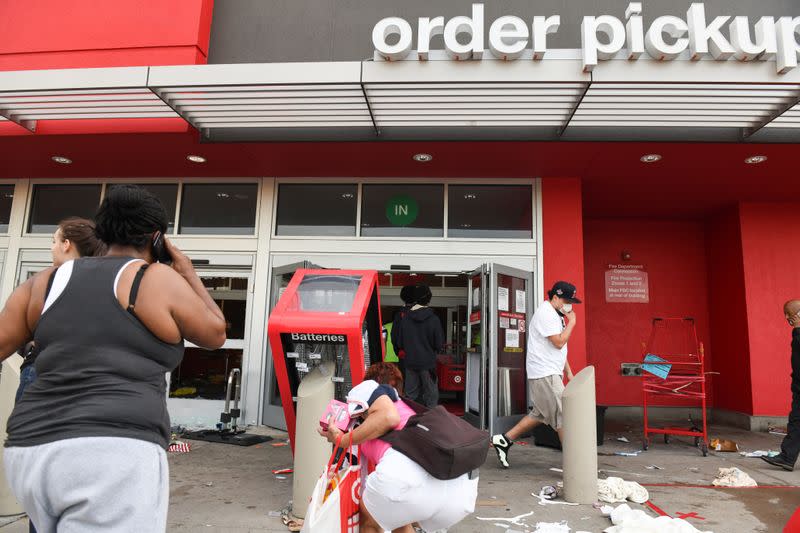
(654, 139)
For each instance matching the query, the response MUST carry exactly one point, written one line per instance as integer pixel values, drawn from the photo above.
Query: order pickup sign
(627, 285)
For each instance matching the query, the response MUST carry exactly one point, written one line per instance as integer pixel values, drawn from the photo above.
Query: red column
(732, 381)
(771, 261)
(562, 245)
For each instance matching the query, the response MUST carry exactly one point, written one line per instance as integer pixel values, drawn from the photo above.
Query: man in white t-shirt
(546, 363)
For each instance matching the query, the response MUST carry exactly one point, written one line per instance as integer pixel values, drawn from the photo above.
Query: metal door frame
(479, 420)
(272, 415)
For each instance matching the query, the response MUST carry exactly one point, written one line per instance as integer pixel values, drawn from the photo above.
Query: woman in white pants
(399, 492)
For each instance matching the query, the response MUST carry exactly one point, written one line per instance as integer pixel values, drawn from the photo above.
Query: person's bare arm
(568, 370)
(197, 315)
(21, 313)
(382, 418)
(560, 340)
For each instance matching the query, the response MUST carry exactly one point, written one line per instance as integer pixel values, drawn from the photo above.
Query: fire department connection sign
(627, 284)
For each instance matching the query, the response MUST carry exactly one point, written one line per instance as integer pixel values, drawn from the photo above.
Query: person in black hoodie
(421, 337)
(407, 295)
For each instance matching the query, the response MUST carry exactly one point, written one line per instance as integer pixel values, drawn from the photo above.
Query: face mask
(566, 309)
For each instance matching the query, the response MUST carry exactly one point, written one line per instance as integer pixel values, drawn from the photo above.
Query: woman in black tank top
(108, 332)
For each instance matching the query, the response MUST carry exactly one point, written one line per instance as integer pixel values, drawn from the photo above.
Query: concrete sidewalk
(224, 488)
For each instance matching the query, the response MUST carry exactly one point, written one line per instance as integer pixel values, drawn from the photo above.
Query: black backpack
(443, 444)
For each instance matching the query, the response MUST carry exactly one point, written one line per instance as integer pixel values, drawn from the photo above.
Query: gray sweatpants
(91, 484)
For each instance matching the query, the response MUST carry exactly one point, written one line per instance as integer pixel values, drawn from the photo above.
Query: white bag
(339, 512)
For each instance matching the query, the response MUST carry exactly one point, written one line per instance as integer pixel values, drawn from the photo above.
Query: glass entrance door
(511, 302)
(197, 387)
(500, 304)
(273, 409)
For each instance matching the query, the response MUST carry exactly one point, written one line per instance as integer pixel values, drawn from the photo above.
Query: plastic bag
(335, 500)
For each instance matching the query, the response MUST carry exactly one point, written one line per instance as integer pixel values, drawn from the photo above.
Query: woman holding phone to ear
(86, 443)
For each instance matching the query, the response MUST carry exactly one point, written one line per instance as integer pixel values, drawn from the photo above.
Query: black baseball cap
(565, 290)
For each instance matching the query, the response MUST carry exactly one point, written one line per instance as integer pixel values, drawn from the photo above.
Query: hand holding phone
(160, 252)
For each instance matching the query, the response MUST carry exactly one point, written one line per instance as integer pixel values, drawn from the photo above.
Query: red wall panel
(674, 255)
(562, 241)
(771, 258)
(52, 34)
(732, 386)
(97, 33)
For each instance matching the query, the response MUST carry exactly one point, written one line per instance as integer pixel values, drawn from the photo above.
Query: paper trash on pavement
(723, 445)
(759, 453)
(552, 527)
(627, 520)
(733, 477)
(616, 490)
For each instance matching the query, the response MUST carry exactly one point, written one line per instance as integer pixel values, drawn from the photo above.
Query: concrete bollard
(311, 452)
(9, 383)
(580, 439)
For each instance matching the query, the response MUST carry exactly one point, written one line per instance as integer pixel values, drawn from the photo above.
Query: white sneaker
(501, 445)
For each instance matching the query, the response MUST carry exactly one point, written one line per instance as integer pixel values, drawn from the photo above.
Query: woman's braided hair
(128, 216)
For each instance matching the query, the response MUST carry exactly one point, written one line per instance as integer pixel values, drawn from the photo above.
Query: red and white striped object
(180, 447)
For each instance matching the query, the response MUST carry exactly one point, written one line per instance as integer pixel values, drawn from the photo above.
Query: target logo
(457, 379)
(355, 491)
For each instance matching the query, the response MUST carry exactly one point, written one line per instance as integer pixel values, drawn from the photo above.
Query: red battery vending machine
(331, 316)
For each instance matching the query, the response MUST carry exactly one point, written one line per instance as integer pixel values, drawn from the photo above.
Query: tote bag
(336, 496)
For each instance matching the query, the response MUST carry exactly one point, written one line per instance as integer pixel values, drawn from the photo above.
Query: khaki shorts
(545, 393)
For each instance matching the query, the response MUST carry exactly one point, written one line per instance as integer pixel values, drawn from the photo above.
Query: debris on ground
(627, 520)
(517, 520)
(622, 439)
(549, 492)
(759, 453)
(291, 523)
(559, 470)
(617, 490)
(280, 444)
(723, 445)
(552, 527)
(694, 469)
(777, 430)
(733, 477)
(654, 467)
(628, 454)
(283, 471)
(179, 446)
(544, 499)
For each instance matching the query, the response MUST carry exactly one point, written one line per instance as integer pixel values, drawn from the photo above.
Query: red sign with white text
(627, 285)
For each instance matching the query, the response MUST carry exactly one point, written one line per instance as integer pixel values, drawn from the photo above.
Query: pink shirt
(374, 449)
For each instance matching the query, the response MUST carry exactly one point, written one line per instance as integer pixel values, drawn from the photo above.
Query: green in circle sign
(401, 210)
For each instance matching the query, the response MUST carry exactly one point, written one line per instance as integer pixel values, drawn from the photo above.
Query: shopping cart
(673, 365)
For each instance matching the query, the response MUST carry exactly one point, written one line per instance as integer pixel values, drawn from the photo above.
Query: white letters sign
(602, 37)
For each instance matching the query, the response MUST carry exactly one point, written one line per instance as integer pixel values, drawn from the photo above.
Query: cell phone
(160, 252)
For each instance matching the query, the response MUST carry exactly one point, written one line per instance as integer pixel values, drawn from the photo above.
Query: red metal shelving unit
(675, 341)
